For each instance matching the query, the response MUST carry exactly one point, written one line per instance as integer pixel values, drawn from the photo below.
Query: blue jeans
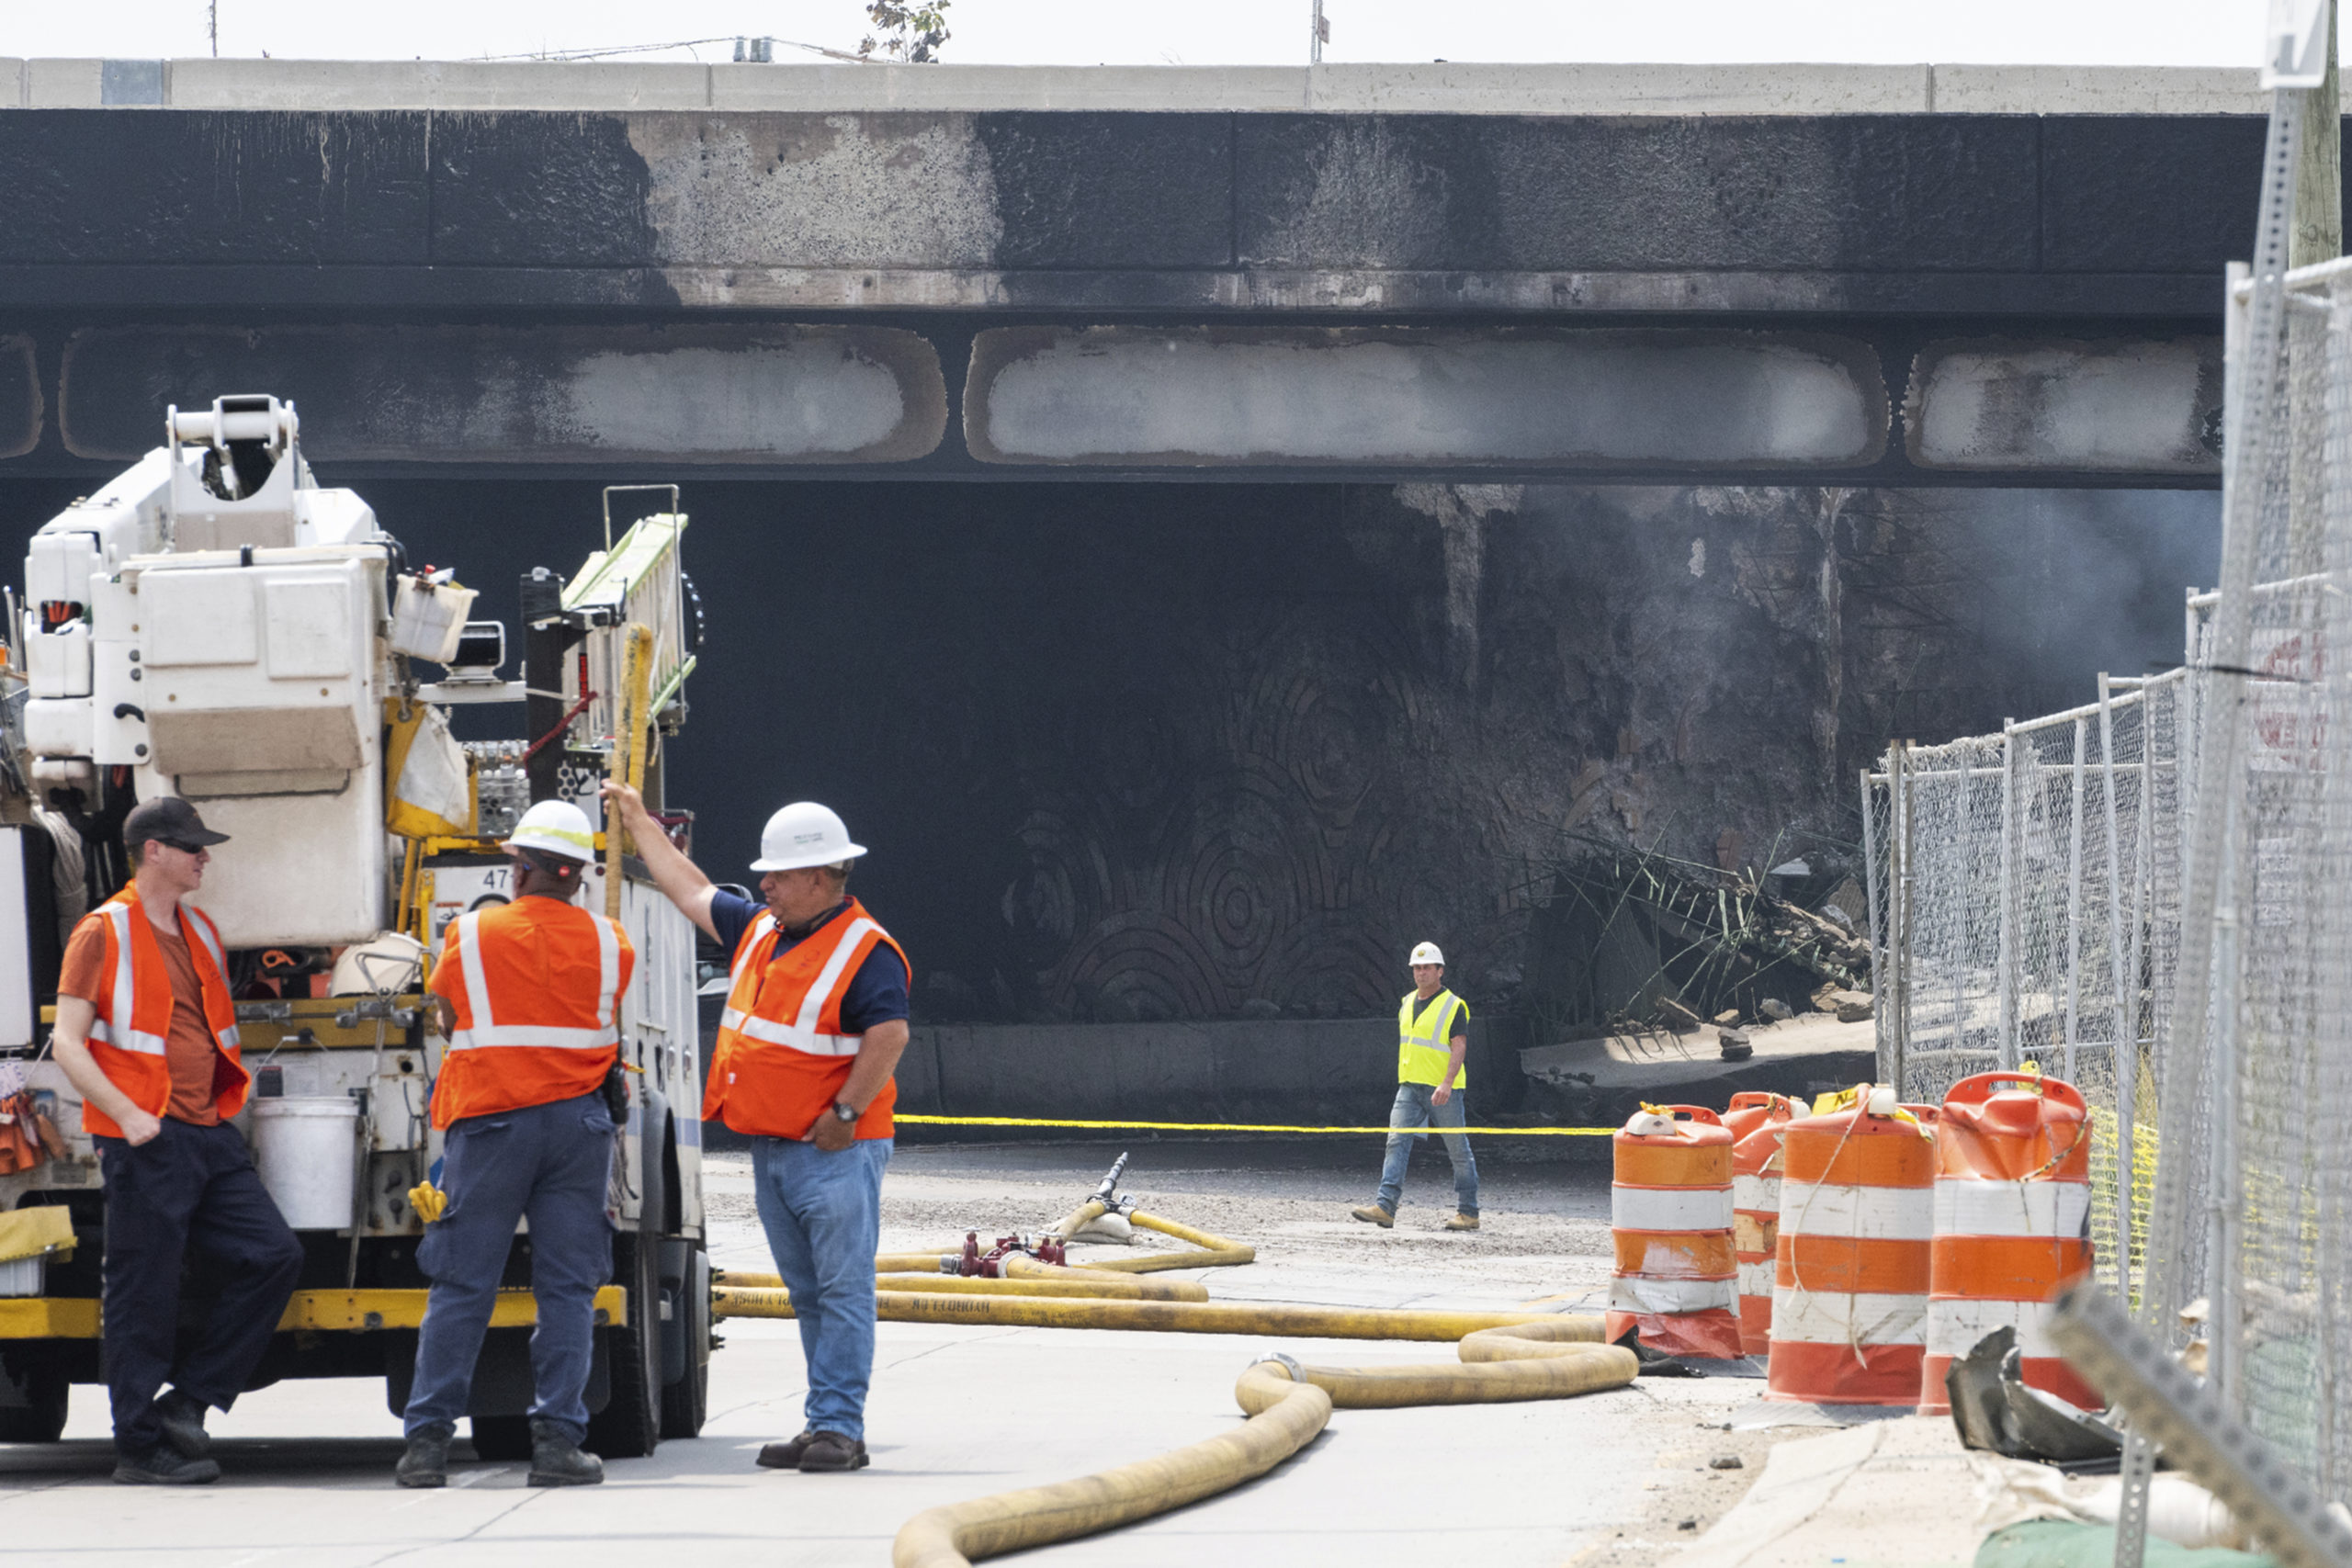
(1413, 1110)
(823, 1215)
(549, 1162)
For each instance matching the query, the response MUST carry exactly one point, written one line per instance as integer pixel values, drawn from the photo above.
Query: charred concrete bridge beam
(1897, 276)
(1507, 402)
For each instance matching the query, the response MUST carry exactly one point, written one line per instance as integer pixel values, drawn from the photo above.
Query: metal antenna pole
(2124, 1060)
(2171, 1407)
(2074, 902)
(2201, 1036)
(1872, 925)
(2005, 970)
(1319, 34)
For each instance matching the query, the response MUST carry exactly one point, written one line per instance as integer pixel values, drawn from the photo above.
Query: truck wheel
(502, 1438)
(41, 1419)
(630, 1423)
(686, 1400)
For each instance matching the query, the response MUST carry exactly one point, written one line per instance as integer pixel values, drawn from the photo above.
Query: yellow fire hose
(907, 1262)
(1216, 1252)
(1112, 1285)
(1152, 1317)
(1287, 1406)
(1211, 1252)
(1020, 1265)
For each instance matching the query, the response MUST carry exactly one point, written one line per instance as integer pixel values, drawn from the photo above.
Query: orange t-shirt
(189, 1050)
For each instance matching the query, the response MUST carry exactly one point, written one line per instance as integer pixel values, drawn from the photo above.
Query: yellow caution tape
(1241, 1126)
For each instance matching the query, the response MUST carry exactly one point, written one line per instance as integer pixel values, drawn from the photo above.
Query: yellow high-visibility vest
(1423, 1050)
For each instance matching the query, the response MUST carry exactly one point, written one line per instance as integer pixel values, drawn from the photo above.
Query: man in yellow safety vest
(1432, 1037)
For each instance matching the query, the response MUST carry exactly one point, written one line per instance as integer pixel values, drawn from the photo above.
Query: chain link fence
(2064, 893)
(2025, 909)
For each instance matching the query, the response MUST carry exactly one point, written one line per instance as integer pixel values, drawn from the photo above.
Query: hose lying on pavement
(1064, 1282)
(729, 1300)
(1211, 1252)
(1216, 1252)
(1550, 1358)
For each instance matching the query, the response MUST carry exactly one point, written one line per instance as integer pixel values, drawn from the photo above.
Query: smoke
(1966, 607)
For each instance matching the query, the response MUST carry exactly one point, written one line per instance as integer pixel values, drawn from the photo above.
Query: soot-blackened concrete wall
(1135, 752)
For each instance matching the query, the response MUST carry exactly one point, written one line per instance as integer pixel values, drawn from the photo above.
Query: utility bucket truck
(214, 625)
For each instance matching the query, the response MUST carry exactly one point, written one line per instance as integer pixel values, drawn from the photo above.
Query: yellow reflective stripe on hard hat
(586, 841)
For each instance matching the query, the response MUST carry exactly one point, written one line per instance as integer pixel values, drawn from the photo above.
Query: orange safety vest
(780, 1058)
(134, 1016)
(536, 986)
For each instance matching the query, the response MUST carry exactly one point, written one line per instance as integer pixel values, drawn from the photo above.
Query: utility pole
(212, 25)
(1320, 34)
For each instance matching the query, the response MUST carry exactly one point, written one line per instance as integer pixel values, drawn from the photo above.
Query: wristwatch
(843, 1109)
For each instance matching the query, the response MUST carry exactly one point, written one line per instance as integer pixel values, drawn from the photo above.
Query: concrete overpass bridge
(1623, 452)
(1821, 274)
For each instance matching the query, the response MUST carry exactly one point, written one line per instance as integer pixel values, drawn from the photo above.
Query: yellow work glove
(428, 1201)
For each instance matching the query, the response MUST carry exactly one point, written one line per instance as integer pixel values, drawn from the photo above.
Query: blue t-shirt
(877, 992)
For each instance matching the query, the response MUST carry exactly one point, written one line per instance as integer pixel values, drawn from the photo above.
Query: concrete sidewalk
(956, 1412)
(1890, 1494)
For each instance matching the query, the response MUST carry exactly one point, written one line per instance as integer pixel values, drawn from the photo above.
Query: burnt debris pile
(1626, 938)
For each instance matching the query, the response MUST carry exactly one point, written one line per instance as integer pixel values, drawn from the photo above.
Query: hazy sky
(1188, 32)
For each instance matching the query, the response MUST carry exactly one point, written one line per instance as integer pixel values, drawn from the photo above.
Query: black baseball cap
(170, 820)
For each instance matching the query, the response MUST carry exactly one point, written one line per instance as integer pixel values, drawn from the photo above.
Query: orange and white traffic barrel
(2013, 1206)
(1754, 1120)
(1850, 1298)
(1677, 1279)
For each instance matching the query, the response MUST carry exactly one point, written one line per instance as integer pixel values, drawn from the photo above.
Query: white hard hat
(805, 834)
(558, 827)
(1428, 954)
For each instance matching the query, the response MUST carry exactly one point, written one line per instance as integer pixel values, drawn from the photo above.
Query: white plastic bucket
(304, 1148)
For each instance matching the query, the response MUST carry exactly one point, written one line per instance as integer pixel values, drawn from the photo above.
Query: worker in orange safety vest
(147, 1032)
(815, 1022)
(527, 995)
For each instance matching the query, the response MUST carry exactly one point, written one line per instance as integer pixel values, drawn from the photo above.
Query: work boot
(557, 1460)
(786, 1455)
(182, 1417)
(832, 1450)
(1462, 1223)
(166, 1467)
(1373, 1214)
(425, 1461)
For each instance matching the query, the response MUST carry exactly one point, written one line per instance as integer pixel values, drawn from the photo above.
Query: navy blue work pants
(187, 1187)
(549, 1162)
